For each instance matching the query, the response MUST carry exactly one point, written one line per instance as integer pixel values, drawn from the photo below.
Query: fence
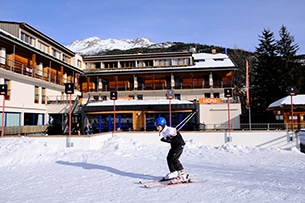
(41, 129)
(252, 126)
(24, 130)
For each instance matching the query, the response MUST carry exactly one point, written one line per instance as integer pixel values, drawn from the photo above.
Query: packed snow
(34, 170)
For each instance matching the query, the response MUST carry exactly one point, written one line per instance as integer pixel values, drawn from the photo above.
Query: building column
(211, 79)
(100, 84)
(34, 64)
(2, 55)
(172, 81)
(135, 82)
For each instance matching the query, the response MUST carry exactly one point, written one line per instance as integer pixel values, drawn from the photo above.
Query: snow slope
(35, 171)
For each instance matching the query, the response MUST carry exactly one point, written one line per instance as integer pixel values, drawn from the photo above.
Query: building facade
(36, 68)
(197, 79)
(290, 111)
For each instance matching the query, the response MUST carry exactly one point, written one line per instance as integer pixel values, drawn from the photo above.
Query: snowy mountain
(93, 45)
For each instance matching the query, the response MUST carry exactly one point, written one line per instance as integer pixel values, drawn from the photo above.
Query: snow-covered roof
(296, 100)
(212, 60)
(138, 102)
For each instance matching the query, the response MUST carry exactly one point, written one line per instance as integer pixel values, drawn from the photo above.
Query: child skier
(172, 136)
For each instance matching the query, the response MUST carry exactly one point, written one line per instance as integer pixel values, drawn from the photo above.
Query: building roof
(208, 60)
(138, 102)
(285, 101)
(151, 105)
(35, 32)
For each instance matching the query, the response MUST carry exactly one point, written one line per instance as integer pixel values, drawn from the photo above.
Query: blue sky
(231, 24)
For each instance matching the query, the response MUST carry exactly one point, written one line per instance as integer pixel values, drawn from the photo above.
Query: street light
(170, 95)
(69, 89)
(228, 94)
(114, 96)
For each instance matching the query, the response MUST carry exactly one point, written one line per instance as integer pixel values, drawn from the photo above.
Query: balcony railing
(152, 85)
(43, 73)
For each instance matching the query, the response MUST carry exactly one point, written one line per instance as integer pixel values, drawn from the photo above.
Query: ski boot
(170, 176)
(182, 177)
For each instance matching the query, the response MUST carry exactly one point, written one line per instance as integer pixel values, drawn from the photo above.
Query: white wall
(22, 100)
(218, 114)
(278, 139)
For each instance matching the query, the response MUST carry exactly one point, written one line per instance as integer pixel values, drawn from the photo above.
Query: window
(180, 61)
(159, 62)
(36, 95)
(66, 59)
(175, 62)
(43, 95)
(54, 53)
(27, 38)
(163, 62)
(187, 61)
(140, 64)
(33, 119)
(43, 47)
(207, 95)
(79, 63)
(216, 95)
(127, 64)
(111, 64)
(12, 119)
(90, 66)
(140, 97)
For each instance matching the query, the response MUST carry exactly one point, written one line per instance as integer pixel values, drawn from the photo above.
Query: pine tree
(265, 88)
(288, 67)
(276, 69)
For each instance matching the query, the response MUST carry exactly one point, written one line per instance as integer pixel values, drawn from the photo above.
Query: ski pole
(185, 120)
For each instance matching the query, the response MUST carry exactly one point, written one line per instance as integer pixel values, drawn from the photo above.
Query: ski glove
(168, 140)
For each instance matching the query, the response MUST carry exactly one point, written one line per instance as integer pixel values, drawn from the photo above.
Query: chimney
(213, 50)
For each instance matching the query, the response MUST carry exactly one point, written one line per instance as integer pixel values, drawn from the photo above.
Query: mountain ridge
(94, 45)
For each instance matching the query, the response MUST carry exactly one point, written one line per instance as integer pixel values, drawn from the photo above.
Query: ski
(154, 181)
(159, 180)
(169, 183)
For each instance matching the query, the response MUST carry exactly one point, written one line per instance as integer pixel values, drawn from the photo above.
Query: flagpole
(248, 93)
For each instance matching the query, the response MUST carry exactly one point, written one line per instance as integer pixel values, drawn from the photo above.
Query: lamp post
(170, 96)
(69, 89)
(114, 96)
(292, 92)
(228, 94)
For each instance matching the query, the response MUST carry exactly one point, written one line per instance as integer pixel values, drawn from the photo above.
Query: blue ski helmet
(160, 121)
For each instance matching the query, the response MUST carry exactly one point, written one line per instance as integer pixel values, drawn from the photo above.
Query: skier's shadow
(89, 166)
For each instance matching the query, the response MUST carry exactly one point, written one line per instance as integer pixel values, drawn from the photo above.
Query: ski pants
(173, 159)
